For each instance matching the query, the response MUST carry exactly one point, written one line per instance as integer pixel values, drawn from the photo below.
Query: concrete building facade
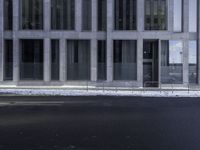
(146, 42)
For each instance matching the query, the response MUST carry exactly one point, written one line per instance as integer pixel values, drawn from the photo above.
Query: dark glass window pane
(62, 14)
(102, 18)
(86, 15)
(78, 60)
(125, 60)
(155, 14)
(8, 13)
(31, 64)
(101, 60)
(8, 60)
(55, 60)
(31, 14)
(125, 14)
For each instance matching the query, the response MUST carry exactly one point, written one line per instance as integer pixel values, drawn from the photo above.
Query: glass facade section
(102, 15)
(78, 60)
(101, 60)
(125, 60)
(8, 13)
(193, 62)
(31, 60)
(62, 14)
(172, 62)
(55, 61)
(155, 14)
(192, 15)
(31, 14)
(178, 15)
(8, 60)
(86, 15)
(125, 12)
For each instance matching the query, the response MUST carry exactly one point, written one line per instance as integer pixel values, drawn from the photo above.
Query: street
(99, 123)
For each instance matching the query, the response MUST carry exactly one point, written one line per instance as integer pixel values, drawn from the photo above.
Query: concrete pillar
(93, 57)
(170, 15)
(185, 41)
(78, 15)
(109, 45)
(140, 14)
(47, 60)
(1, 39)
(63, 60)
(16, 51)
(47, 15)
(140, 62)
(198, 41)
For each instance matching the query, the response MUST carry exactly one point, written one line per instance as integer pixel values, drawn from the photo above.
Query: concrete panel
(47, 60)
(1, 40)
(93, 58)
(63, 60)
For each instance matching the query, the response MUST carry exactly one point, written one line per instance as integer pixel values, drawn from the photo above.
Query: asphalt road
(99, 123)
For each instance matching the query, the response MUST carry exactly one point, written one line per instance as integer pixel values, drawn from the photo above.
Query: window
(31, 14)
(125, 60)
(101, 60)
(8, 60)
(8, 13)
(178, 15)
(171, 62)
(86, 15)
(78, 60)
(192, 15)
(62, 14)
(193, 62)
(31, 62)
(102, 15)
(55, 65)
(125, 14)
(155, 14)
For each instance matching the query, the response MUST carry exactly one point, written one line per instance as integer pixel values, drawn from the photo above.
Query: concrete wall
(94, 36)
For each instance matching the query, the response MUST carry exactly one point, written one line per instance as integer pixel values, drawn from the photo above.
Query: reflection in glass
(193, 62)
(86, 15)
(8, 13)
(31, 14)
(192, 15)
(171, 62)
(125, 14)
(55, 64)
(155, 14)
(8, 60)
(31, 63)
(78, 60)
(62, 14)
(125, 60)
(177, 15)
(101, 60)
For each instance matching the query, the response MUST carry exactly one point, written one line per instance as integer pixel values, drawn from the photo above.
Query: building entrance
(150, 63)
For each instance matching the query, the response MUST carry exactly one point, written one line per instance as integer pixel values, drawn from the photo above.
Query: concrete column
(93, 57)
(94, 15)
(47, 60)
(140, 15)
(198, 41)
(78, 15)
(16, 51)
(1, 40)
(109, 45)
(47, 15)
(63, 60)
(140, 62)
(170, 15)
(185, 41)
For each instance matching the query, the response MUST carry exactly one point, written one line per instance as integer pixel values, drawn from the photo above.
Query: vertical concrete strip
(93, 54)
(63, 60)
(170, 15)
(186, 41)
(47, 60)
(47, 15)
(16, 46)
(78, 15)
(109, 44)
(1, 39)
(198, 41)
